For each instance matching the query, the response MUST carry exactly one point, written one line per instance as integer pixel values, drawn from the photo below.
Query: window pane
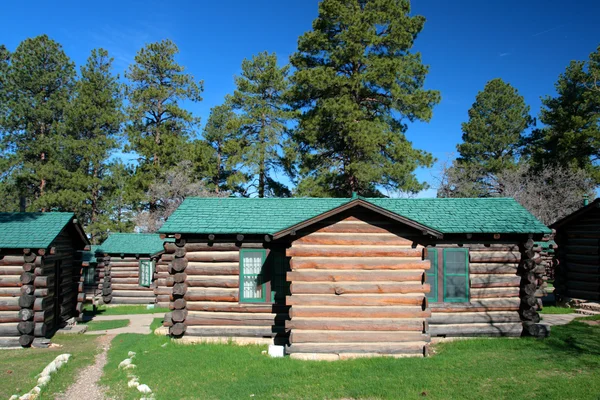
(432, 255)
(456, 287)
(252, 263)
(252, 289)
(455, 262)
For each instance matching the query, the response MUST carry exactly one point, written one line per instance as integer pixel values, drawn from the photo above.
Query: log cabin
(355, 276)
(130, 263)
(93, 272)
(41, 284)
(577, 271)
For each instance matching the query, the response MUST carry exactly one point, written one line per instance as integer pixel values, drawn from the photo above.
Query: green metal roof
(31, 230)
(133, 243)
(272, 215)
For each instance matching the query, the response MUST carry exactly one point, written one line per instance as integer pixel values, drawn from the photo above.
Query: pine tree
(222, 141)
(261, 121)
(571, 135)
(37, 89)
(93, 124)
(494, 133)
(160, 128)
(358, 84)
(8, 191)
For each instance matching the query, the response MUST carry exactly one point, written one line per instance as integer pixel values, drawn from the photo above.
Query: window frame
(266, 295)
(86, 274)
(152, 269)
(465, 274)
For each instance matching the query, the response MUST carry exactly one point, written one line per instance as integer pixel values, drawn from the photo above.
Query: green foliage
(260, 123)
(36, 86)
(494, 132)
(357, 85)
(571, 135)
(93, 123)
(221, 141)
(160, 128)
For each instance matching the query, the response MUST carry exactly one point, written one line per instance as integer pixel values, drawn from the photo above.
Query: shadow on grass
(576, 338)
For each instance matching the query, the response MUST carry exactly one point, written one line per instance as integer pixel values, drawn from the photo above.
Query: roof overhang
(363, 203)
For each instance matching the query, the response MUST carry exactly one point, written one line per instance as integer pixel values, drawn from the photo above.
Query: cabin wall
(162, 291)
(357, 287)
(493, 307)
(204, 296)
(121, 281)
(578, 253)
(11, 269)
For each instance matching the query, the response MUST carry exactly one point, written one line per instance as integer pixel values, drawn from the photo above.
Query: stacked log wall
(493, 307)
(11, 317)
(121, 281)
(578, 269)
(161, 290)
(357, 287)
(204, 294)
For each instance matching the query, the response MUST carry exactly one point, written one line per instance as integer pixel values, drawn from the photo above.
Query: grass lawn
(556, 310)
(88, 310)
(18, 368)
(104, 325)
(564, 366)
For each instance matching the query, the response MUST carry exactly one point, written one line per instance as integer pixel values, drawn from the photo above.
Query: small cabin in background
(577, 274)
(338, 278)
(40, 275)
(130, 262)
(92, 272)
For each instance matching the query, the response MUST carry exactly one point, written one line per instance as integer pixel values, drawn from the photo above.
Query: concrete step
(590, 306)
(583, 311)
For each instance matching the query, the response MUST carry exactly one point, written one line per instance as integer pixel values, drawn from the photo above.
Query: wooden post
(177, 281)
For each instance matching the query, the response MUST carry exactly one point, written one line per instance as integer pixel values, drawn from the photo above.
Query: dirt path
(86, 385)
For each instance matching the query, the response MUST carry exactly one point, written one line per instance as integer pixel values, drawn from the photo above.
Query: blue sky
(465, 42)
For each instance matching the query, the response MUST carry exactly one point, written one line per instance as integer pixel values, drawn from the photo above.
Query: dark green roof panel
(144, 244)
(31, 230)
(272, 215)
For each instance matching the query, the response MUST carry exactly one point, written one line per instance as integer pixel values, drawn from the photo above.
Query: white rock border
(44, 378)
(134, 381)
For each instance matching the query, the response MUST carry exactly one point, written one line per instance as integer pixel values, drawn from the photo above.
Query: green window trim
(464, 274)
(432, 274)
(146, 272)
(245, 276)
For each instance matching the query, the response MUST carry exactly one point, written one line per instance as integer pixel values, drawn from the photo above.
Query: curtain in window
(252, 264)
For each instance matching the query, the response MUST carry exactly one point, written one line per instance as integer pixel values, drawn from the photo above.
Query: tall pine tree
(160, 128)
(93, 123)
(261, 121)
(495, 130)
(37, 88)
(357, 84)
(571, 135)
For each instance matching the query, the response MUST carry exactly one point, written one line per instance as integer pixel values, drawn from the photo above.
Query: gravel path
(86, 386)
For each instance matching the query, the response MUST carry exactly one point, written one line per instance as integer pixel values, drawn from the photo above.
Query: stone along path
(86, 385)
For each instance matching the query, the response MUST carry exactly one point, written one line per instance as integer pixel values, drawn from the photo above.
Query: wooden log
(493, 281)
(179, 264)
(43, 281)
(361, 227)
(210, 294)
(234, 331)
(408, 348)
(486, 293)
(131, 293)
(10, 281)
(225, 281)
(202, 247)
(12, 291)
(9, 304)
(25, 327)
(125, 281)
(9, 329)
(388, 239)
(482, 329)
(357, 288)
(355, 300)
(26, 340)
(212, 268)
(474, 317)
(353, 324)
(26, 301)
(175, 250)
(127, 274)
(349, 263)
(212, 256)
(27, 278)
(359, 312)
(219, 306)
(362, 276)
(178, 304)
(353, 251)
(10, 270)
(494, 257)
(177, 329)
(11, 260)
(119, 286)
(180, 289)
(9, 316)
(492, 268)
(179, 315)
(508, 304)
(324, 336)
